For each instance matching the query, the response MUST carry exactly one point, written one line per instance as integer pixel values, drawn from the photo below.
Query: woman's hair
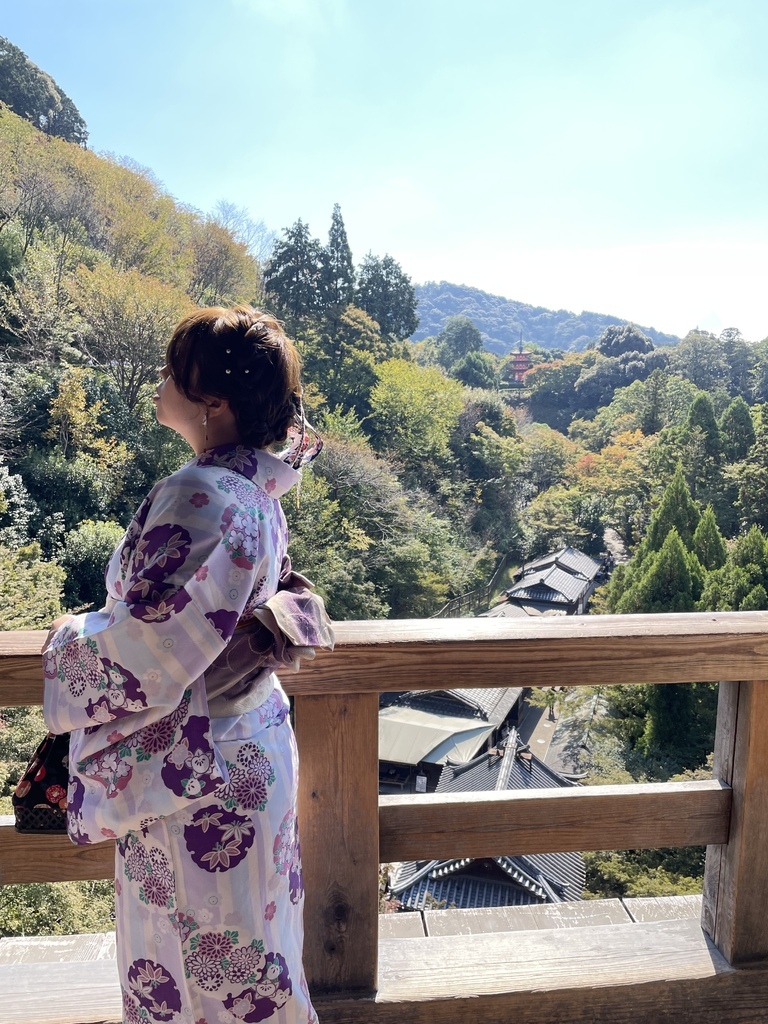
(242, 355)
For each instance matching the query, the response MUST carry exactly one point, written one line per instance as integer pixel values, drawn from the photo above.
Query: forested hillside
(502, 321)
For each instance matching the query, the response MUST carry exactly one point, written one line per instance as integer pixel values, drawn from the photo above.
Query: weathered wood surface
(578, 914)
(663, 973)
(339, 827)
(60, 993)
(46, 949)
(663, 908)
(401, 926)
(50, 858)
(576, 650)
(436, 825)
(736, 876)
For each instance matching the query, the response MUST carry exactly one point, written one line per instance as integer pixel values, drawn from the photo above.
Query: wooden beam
(578, 650)
(736, 875)
(339, 827)
(437, 826)
(661, 973)
(50, 858)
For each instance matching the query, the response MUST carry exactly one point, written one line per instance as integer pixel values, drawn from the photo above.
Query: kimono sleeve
(189, 572)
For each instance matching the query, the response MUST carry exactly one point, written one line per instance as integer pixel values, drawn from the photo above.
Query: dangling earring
(205, 424)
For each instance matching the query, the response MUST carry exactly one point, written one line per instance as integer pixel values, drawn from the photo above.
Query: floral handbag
(40, 799)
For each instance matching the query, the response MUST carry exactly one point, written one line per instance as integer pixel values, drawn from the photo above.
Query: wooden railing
(664, 973)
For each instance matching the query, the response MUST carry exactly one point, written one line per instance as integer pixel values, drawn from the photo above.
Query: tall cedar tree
(386, 294)
(293, 275)
(702, 414)
(677, 510)
(737, 432)
(338, 273)
(752, 474)
(708, 543)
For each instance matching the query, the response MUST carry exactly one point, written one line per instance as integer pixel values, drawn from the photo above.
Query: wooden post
(339, 826)
(736, 876)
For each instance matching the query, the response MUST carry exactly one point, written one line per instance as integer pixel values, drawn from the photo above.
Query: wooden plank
(50, 858)
(434, 826)
(338, 815)
(736, 889)
(663, 908)
(577, 650)
(401, 926)
(579, 914)
(663, 973)
(60, 993)
(47, 949)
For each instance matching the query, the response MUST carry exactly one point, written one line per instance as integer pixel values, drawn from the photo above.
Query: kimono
(181, 748)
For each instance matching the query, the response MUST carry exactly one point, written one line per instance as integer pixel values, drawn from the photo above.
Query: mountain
(501, 320)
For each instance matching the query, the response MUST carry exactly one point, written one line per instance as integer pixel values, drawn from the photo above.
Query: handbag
(40, 799)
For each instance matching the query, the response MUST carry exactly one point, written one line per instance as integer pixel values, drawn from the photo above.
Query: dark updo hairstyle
(244, 356)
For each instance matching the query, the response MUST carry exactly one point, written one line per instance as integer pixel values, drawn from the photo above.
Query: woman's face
(173, 409)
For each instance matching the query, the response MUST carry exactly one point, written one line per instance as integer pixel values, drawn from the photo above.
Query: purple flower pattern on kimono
(128, 681)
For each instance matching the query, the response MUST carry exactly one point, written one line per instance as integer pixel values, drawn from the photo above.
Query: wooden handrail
(580, 650)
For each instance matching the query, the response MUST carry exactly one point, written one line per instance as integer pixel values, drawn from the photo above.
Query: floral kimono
(181, 748)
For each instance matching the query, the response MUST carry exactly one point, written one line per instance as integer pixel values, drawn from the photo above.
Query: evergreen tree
(750, 550)
(702, 415)
(387, 295)
(678, 511)
(708, 543)
(737, 432)
(671, 580)
(338, 272)
(457, 340)
(617, 339)
(293, 275)
(752, 476)
(755, 601)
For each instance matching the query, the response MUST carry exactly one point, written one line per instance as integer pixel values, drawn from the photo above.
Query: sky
(607, 155)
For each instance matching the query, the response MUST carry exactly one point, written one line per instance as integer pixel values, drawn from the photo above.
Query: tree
(458, 338)
(702, 415)
(476, 370)
(294, 273)
(737, 432)
(415, 410)
(752, 476)
(129, 317)
(338, 271)
(87, 549)
(617, 339)
(387, 295)
(676, 511)
(223, 272)
(30, 588)
(701, 359)
(708, 542)
(33, 95)
(670, 580)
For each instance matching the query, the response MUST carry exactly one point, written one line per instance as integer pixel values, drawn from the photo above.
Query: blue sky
(582, 154)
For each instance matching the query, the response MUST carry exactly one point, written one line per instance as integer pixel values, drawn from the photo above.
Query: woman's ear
(215, 406)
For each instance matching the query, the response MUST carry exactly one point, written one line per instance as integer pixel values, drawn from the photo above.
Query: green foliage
(737, 432)
(33, 95)
(643, 873)
(30, 588)
(57, 908)
(458, 339)
(415, 409)
(708, 543)
(386, 294)
(87, 550)
(476, 370)
(620, 338)
(677, 511)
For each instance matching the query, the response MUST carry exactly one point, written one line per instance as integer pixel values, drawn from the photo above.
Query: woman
(181, 747)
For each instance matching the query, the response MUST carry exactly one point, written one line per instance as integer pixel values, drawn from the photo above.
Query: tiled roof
(480, 882)
(552, 584)
(569, 559)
